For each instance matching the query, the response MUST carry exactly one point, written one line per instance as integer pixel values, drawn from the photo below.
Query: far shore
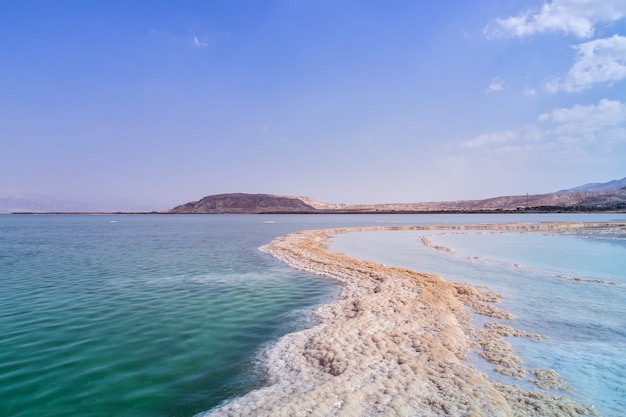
(528, 210)
(397, 341)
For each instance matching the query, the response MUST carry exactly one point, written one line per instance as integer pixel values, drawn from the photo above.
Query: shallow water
(139, 316)
(149, 315)
(584, 321)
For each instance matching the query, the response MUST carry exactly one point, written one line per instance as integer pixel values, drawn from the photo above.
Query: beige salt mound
(395, 343)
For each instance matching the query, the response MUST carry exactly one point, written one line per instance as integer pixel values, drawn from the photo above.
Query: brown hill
(268, 203)
(245, 203)
(595, 196)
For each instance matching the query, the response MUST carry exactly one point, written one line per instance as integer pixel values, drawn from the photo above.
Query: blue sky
(148, 104)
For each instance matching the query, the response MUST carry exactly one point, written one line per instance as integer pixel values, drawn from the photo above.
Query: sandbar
(396, 342)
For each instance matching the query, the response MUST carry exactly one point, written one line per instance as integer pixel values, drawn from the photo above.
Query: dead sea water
(570, 288)
(140, 315)
(150, 315)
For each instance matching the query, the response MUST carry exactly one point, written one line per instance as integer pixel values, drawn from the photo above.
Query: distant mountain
(574, 200)
(15, 203)
(606, 196)
(246, 203)
(262, 203)
(597, 186)
(595, 196)
(12, 202)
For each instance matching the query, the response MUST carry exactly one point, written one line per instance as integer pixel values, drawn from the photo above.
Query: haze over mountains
(592, 196)
(11, 202)
(596, 186)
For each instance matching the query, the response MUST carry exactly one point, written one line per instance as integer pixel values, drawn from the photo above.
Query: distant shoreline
(530, 210)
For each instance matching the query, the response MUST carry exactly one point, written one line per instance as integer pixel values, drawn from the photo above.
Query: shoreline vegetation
(397, 342)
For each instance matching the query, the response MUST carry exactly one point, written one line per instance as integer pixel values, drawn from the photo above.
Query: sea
(167, 315)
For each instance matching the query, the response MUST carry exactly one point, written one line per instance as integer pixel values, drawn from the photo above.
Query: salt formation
(395, 343)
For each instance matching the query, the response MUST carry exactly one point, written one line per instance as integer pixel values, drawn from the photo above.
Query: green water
(140, 315)
(153, 315)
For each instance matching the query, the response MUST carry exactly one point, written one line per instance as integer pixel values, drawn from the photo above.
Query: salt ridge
(396, 343)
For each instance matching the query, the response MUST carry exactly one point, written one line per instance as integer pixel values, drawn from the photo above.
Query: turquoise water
(139, 315)
(584, 321)
(149, 315)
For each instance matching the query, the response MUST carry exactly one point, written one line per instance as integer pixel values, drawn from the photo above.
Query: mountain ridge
(610, 195)
(593, 196)
(598, 186)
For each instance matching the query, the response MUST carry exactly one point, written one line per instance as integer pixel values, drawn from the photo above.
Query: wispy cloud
(576, 17)
(529, 91)
(597, 61)
(590, 122)
(487, 139)
(596, 128)
(199, 43)
(496, 85)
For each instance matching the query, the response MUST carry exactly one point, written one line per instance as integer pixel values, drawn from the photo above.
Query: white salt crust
(396, 343)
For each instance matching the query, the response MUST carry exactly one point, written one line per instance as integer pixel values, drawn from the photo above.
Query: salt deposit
(396, 343)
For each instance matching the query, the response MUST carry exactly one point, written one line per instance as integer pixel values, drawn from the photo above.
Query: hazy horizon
(143, 106)
(41, 203)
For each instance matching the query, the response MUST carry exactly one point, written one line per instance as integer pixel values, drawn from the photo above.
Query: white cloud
(589, 123)
(495, 85)
(199, 43)
(208, 39)
(491, 138)
(529, 91)
(576, 17)
(575, 130)
(598, 61)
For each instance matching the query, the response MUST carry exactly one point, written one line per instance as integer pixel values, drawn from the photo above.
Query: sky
(149, 104)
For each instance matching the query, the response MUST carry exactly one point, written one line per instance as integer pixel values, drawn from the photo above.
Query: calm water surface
(584, 321)
(149, 315)
(140, 315)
